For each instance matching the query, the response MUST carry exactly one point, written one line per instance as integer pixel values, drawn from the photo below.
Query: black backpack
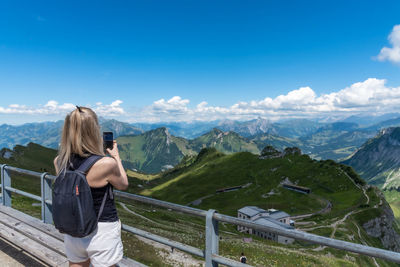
(73, 209)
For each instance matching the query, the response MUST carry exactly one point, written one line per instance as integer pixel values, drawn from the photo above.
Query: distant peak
(216, 130)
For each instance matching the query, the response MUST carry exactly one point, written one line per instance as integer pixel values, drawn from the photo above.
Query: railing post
(47, 216)
(212, 238)
(5, 181)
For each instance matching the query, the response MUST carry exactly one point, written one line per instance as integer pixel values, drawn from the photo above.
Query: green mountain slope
(31, 157)
(226, 142)
(378, 160)
(213, 170)
(157, 150)
(152, 151)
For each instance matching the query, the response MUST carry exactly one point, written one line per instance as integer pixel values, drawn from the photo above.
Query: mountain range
(48, 133)
(334, 140)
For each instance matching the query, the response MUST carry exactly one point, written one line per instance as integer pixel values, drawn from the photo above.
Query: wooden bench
(40, 240)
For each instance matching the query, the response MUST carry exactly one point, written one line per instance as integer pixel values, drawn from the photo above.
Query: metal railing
(210, 253)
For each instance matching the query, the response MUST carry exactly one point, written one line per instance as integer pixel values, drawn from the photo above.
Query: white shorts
(103, 247)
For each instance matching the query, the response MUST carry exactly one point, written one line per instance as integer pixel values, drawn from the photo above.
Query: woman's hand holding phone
(114, 151)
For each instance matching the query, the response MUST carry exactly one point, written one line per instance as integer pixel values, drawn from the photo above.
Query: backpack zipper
(79, 207)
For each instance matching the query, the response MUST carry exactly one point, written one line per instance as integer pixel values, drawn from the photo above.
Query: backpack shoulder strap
(88, 163)
(103, 202)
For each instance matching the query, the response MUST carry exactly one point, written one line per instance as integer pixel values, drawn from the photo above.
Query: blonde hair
(80, 135)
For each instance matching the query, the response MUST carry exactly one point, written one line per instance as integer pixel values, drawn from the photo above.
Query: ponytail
(80, 135)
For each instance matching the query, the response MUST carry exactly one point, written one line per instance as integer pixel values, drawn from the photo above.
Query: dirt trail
(137, 214)
(359, 186)
(335, 224)
(364, 243)
(326, 209)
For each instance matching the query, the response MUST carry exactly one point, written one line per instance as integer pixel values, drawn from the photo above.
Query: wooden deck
(27, 241)
(13, 256)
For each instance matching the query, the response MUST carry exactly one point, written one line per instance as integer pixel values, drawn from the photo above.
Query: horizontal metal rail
(28, 172)
(160, 203)
(23, 193)
(216, 217)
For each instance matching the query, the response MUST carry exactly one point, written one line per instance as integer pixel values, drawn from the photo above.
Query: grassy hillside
(213, 170)
(32, 157)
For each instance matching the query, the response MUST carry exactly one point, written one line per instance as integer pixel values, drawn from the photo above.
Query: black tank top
(109, 213)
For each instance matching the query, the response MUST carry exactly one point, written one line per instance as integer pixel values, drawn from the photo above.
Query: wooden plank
(12, 255)
(32, 221)
(46, 229)
(34, 234)
(32, 247)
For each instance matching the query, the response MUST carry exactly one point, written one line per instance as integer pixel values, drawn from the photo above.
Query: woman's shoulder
(106, 163)
(106, 160)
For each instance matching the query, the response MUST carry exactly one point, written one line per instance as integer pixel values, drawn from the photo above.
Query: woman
(81, 138)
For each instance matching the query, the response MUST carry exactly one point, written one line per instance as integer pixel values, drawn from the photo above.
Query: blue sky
(161, 60)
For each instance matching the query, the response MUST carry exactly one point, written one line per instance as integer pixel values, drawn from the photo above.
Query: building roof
(251, 210)
(267, 221)
(278, 215)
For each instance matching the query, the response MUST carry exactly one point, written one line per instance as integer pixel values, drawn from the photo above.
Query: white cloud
(371, 96)
(52, 107)
(174, 105)
(114, 109)
(392, 54)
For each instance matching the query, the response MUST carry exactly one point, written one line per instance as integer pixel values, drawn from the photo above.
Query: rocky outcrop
(292, 151)
(269, 152)
(382, 227)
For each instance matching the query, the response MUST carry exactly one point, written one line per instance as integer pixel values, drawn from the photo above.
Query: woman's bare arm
(117, 176)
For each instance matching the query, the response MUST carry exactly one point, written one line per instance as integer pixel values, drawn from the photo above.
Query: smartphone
(108, 139)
